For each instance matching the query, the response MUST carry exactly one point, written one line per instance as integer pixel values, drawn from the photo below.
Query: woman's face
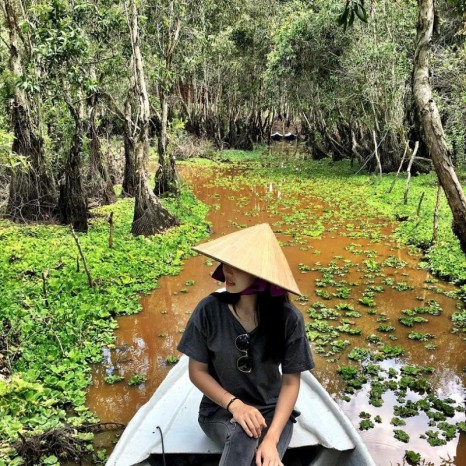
(236, 280)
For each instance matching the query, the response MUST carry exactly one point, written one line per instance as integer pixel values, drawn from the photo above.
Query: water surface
(146, 340)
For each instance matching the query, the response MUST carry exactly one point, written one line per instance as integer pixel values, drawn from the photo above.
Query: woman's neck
(245, 312)
(246, 305)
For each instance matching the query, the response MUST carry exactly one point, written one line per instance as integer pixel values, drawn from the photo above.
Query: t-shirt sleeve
(298, 356)
(193, 342)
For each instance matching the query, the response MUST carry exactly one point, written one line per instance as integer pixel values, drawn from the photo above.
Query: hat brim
(254, 250)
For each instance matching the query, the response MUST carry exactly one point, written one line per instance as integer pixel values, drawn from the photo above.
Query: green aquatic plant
(366, 424)
(401, 435)
(385, 328)
(410, 321)
(420, 336)
(387, 352)
(397, 422)
(172, 359)
(394, 262)
(459, 320)
(413, 457)
(367, 301)
(323, 313)
(402, 286)
(345, 327)
(323, 294)
(359, 354)
(375, 393)
(433, 308)
(113, 379)
(434, 440)
(137, 379)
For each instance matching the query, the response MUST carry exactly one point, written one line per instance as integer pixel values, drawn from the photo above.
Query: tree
(149, 215)
(431, 127)
(32, 194)
(431, 124)
(169, 18)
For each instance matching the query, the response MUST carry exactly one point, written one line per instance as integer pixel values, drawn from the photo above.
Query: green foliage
(8, 159)
(401, 435)
(137, 379)
(412, 456)
(50, 339)
(113, 379)
(172, 359)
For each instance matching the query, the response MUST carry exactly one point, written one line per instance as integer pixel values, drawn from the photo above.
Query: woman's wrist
(233, 399)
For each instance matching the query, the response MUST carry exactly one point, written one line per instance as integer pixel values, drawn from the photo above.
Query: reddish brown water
(146, 340)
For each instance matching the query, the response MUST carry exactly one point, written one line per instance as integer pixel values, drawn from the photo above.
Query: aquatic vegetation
(388, 352)
(433, 308)
(402, 286)
(137, 379)
(412, 456)
(172, 359)
(394, 262)
(359, 354)
(367, 301)
(366, 424)
(459, 320)
(112, 379)
(401, 435)
(385, 328)
(410, 321)
(43, 288)
(396, 421)
(420, 336)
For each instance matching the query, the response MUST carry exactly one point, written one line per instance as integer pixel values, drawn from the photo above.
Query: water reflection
(146, 341)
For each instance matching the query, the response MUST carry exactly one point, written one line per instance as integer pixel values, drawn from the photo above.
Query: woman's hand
(267, 453)
(248, 417)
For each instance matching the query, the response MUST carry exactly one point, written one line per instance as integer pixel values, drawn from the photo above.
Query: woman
(247, 348)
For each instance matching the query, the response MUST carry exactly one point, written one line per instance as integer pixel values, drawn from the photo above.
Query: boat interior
(303, 456)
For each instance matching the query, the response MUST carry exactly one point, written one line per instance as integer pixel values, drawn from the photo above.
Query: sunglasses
(243, 344)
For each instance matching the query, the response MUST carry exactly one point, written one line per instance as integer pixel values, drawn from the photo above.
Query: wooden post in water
(399, 168)
(110, 234)
(436, 215)
(89, 278)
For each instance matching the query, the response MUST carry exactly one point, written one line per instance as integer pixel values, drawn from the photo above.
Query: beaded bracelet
(229, 403)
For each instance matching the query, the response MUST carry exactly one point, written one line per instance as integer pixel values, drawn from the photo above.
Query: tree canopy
(219, 71)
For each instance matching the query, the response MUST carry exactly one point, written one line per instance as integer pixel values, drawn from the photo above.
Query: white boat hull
(168, 423)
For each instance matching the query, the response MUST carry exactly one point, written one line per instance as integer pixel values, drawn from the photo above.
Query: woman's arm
(267, 453)
(250, 418)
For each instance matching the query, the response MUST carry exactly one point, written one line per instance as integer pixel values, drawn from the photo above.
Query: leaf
(351, 18)
(344, 16)
(360, 12)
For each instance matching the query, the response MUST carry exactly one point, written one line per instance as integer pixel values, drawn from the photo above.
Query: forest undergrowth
(54, 324)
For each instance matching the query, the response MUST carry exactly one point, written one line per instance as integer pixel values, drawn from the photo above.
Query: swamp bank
(387, 334)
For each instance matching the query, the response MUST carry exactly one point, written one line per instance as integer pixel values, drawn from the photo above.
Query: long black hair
(270, 313)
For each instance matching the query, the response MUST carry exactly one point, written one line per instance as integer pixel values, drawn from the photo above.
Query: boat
(276, 136)
(165, 430)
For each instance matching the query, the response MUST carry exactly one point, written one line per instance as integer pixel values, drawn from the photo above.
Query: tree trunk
(32, 194)
(72, 204)
(150, 216)
(129, 184)
(99, 186)
(431, 124)
(166, 179)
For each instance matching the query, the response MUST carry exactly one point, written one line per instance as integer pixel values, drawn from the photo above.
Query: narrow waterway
(364, 284)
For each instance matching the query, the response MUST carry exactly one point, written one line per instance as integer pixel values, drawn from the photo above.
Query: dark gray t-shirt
(210, 338)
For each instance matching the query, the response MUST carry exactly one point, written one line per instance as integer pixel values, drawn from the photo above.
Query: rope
(163, 446)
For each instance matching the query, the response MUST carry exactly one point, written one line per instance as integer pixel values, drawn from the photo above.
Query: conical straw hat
(254, 250)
